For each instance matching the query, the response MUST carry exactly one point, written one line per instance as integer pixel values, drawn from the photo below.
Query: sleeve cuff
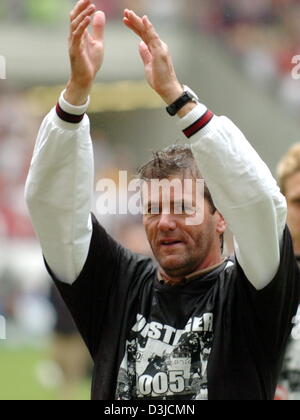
(72, 109)
(70, 113)
(195, 120)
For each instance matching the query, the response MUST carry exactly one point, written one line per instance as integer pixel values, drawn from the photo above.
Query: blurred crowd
(264, 35)
(17, 132)
(53, 10)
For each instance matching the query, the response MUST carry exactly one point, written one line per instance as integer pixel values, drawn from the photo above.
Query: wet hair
(174, 160)
(288, 166)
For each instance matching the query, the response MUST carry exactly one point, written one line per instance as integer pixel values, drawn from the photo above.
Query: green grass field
(19, 381)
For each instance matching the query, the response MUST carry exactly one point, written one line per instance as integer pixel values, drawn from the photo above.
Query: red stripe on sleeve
(199, 124)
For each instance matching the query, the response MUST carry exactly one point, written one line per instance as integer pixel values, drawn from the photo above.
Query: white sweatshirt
(59, 192)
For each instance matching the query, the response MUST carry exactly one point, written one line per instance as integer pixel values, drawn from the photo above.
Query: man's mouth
(170, 243)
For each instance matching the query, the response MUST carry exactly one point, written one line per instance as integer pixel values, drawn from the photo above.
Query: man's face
(179, 248)
(292, 188)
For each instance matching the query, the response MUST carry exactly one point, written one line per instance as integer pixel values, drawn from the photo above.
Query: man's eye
(189, 210)
(153, 210)
(180, 208)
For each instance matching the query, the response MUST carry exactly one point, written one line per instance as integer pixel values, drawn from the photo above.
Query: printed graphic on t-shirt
(162, 362)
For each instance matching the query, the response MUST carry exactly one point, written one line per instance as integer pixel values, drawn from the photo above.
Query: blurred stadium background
(237, 54)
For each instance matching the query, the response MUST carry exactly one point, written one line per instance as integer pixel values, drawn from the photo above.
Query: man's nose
(167, 222)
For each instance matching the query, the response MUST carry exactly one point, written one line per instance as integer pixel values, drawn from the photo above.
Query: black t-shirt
(64, 323)
(215, 337)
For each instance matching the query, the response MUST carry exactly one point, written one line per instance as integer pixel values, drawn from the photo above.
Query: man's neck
(203, 268)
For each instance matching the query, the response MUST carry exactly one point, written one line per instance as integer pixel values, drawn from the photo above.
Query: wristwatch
(187, 96)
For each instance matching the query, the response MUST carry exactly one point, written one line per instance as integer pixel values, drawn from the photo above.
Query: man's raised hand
(86, 51)
(159, 69)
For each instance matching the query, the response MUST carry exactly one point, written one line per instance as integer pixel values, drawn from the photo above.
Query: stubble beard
(188, 264)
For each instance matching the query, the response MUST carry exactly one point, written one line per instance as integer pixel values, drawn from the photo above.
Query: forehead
(174, 188)
(292, 186)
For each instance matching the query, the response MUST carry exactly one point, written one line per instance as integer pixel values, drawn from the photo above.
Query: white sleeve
(59, 192)
(243, 190)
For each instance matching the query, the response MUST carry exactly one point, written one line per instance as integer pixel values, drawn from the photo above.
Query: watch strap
(187, 96)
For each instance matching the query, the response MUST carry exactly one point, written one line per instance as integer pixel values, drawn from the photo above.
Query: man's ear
(221, 224)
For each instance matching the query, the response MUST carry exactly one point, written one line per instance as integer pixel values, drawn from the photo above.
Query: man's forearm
(59, 189)
(243, 190)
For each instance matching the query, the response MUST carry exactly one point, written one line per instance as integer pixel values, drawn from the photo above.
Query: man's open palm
(86, 50)
(159, 69)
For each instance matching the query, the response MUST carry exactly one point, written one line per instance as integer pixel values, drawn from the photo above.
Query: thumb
(145, 53)
(99, 25)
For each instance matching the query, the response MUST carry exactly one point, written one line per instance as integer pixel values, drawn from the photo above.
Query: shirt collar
(195, 275)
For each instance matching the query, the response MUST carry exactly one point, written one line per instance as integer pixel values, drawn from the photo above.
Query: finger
(145, 53)
(129, 24)
(135, 20)
(86, 12)
(80, 31)
(99, 26)
(134, 23)
(143, 28)
(80, 6)
(126, 13)
(151, 34)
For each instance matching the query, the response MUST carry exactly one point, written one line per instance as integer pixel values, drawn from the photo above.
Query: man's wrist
(76, 95)
(186, 109)
(73, 109)
(171, 95)
(178, 101)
